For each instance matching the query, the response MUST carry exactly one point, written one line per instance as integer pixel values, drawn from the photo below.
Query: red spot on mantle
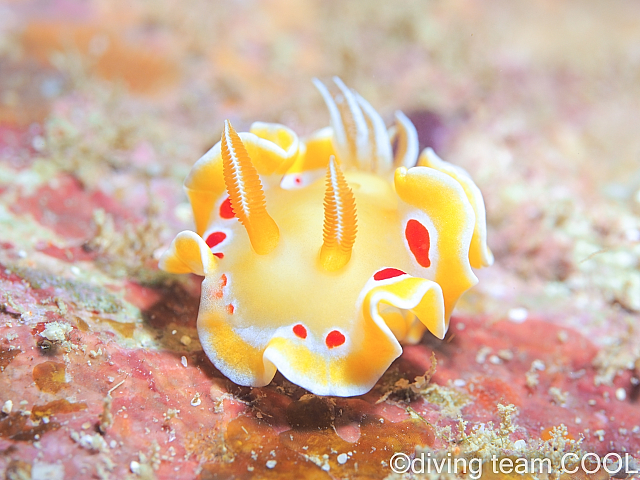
(215, 239)
(225, 209)
(418, 238)
(335, 339)
(388, 273)
(300, 331)
(230, 309)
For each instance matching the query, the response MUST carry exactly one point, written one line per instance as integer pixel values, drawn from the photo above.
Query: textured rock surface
(104, 106)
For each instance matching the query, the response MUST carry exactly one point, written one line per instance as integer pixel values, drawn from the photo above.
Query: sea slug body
(322, 255)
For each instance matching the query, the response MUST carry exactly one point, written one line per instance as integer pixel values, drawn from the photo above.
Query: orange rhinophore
(340, 225)
(246, 194)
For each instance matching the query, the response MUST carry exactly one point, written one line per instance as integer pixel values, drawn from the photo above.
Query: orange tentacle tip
(321, 256)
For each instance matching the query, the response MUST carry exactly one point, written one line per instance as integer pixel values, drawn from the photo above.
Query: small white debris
(114, 388)
(22, 254)
(495, 360)
(113, 444)
(519, 444)
(134, 467)
(185, 340)
(505, 354)
(271, 463)
(56, 331)
(538, 365)
(482, 354)
(576, 375)
(460, 326)
(75, 270)
(90, 442)
(578, 421)
(518, 315)
(558, 395)
(38, 143)
(621, 394)
(195, 401)
(47, 471)
(563, 336)
(173, 332)
(171, 413)
(632, 234)
(342, 458)
(532, 378)
(183, 360)
(458, 382)
(94, 353)
(591, 402)
(600, 434)
(326, 467)
(7, 407)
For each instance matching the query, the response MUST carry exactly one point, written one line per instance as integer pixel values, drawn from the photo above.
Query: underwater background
(106, 105)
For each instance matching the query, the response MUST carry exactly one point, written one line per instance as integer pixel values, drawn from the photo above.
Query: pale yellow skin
(251, 303)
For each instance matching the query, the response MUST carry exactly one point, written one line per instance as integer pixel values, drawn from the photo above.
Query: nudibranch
(322, 255)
